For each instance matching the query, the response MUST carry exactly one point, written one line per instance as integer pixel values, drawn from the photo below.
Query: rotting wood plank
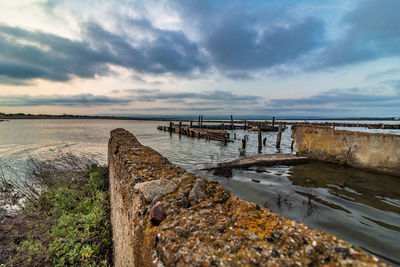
(261, 160)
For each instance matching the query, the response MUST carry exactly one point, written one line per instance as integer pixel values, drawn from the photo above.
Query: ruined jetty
(205, 133)
(164, 216)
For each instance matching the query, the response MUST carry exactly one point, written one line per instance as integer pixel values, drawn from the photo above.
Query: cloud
(168, 109)
(342, 102)
(239, 40)
(85, 100)
(203, 98)
(252, 36)
(373, 33)
(383, 74)
(237, 45)
(32, 54)
(209, 100)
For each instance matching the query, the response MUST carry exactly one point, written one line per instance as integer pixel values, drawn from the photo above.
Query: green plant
(69, 222)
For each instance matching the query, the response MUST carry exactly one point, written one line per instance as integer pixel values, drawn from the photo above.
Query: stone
(155, 188)
(196, 193)
(157, 214)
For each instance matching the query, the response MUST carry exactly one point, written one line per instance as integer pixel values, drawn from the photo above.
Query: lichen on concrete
(205, 224)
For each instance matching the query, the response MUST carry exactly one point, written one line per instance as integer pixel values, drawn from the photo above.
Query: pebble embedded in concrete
(155, 188)
(157, 214)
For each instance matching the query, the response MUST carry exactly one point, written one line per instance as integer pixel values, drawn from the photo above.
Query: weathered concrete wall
(373, 151)
(163, 216)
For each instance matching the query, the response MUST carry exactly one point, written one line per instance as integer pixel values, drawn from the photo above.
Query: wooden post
(273, 121)
(259, 138)
(201, 121)
(278, 137)
(244, 143)
(180, 128)
(198, 123)
(265, 141)
(234, 136)
(232, 122)
(191, 124)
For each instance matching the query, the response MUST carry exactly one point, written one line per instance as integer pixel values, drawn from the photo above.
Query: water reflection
(358, 206)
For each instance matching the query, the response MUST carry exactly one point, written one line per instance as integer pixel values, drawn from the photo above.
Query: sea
(358, 206)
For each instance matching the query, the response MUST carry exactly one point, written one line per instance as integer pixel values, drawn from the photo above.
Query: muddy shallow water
(358, 206)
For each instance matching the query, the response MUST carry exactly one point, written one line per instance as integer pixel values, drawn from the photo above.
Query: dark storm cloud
(61, 100)
(237, 38)
(32, 54)
(237, 45)
(374, 32)
(252, 36)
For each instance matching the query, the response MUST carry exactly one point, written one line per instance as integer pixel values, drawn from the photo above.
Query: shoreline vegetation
(64, 218)
(6, 116)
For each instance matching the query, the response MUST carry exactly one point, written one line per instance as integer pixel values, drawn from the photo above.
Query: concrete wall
(163, 216)
(373, 151)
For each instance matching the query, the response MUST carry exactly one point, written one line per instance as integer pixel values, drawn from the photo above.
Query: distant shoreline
(179, 118)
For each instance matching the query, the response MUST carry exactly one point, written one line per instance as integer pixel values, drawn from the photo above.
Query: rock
(154, 201)
(155, 188)
(157, 214)
(197, 192)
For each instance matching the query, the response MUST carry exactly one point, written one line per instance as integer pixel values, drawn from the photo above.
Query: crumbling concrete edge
(182, 219)
(376, 152)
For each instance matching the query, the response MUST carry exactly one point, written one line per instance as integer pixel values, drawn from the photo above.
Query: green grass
(69, 224)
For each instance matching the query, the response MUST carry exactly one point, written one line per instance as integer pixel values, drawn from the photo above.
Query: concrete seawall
(373, 151)
(162, 215)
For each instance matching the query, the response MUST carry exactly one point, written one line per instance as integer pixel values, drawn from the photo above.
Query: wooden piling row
(209, 134)
(218, 132)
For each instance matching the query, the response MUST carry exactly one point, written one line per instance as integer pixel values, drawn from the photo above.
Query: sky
(334, 58)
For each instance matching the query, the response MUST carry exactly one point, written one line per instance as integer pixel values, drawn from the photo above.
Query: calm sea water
(360, 207)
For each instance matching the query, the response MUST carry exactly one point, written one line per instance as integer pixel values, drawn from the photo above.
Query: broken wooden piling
(278, 137)
(259, 138)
